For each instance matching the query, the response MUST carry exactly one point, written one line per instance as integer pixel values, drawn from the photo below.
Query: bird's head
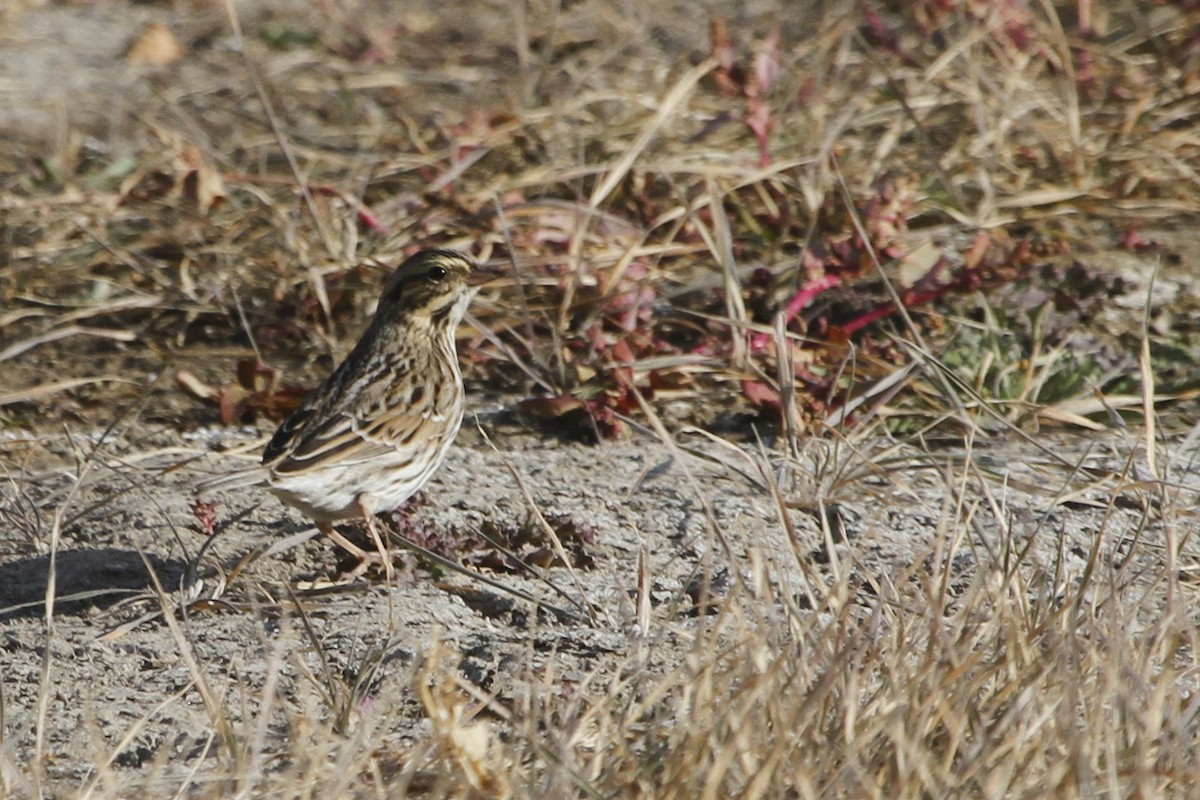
(432, 286)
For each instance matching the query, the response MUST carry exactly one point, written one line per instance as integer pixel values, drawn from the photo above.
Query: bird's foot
(380, 557)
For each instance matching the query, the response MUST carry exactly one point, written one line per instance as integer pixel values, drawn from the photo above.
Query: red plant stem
(910, 300)
(371, 221)
(800, 300)
(866, 319)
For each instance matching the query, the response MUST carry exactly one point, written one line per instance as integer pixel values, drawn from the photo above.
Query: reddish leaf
(608, 425)
(762, 395)
(230, 402)
(620, 356)
(552, 407)
(727, 74)
(256, 390)
(878, 33)
(254, 375)
(1132, 240)
(667, 380)
(205, 513)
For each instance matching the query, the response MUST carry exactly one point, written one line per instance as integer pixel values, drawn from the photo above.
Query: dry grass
(869, 189)
(992, 665)
(976, 144)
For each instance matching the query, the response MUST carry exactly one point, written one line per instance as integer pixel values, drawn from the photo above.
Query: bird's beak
(486, 273)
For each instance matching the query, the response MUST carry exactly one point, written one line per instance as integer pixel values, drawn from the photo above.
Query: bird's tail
(238, 478)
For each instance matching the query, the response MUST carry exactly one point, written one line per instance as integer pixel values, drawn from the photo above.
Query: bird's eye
(436, 273)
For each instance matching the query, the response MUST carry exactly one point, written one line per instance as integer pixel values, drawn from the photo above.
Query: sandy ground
(130, 697)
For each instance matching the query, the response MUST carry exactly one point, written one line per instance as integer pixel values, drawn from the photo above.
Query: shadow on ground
(91, 578)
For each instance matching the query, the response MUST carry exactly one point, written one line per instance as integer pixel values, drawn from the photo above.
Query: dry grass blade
(97, 310)
(785, 374)
(671, 102)
(552, 535)
(315, 275)
(563, 613)
(467, 744)
(65, 332)
(883, 389)
(54, 544)
(217, 714)
(722, 247)
(104, 770)
(1147, 375)
(43, 391)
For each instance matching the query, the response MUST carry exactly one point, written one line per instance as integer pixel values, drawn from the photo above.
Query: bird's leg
(367, 507)
(364, 557)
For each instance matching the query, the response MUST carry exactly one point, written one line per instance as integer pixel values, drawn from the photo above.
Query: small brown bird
(373, 432)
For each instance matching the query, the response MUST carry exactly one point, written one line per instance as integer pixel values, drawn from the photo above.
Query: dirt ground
(130, 698)
(123, 702)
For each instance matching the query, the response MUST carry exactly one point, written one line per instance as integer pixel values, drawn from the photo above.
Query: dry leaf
(552, 407)
(197, 388)
(183, 172)
(155, 46)
(918, 263)
(761, 395)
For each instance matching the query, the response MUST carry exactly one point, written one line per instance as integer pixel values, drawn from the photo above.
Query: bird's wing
(313, 414)
(339, 421)
(353, 441)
